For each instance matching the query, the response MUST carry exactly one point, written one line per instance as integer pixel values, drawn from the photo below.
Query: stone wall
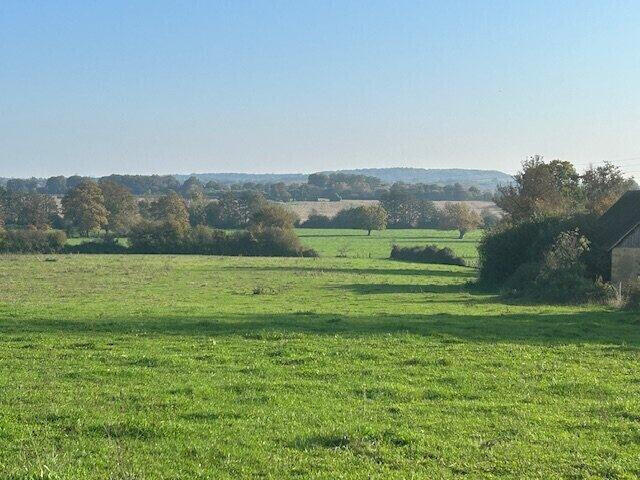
(625, 265)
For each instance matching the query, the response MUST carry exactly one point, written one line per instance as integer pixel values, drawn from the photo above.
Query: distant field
(330, 209)
(167, 367)
(357, 244)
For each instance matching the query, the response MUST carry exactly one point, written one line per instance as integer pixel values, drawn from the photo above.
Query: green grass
(131, 367)
(357, 244)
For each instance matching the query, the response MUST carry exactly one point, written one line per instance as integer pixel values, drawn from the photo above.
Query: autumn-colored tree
(83, 207)
(461, 217)
(37, 211)
(541, 189)
(121, 205)
(603, 186)
(172, 208)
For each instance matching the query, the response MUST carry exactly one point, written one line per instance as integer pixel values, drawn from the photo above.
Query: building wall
(625, 265)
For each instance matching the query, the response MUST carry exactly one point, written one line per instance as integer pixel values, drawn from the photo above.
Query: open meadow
(166, 367)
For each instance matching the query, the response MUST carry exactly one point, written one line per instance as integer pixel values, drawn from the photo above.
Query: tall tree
(540, 189)
(121, 205)
(192, 188)
(172, 209)
(56, 185)
(37, 211)
(83, 206)
(603, 186)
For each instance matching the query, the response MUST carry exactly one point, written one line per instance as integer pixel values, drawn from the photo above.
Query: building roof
(620, 220)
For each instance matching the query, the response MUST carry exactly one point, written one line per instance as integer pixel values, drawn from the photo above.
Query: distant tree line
(333, 186)
(401, 208)
(168, 224)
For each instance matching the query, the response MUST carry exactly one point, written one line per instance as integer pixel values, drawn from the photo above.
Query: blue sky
(94, 87)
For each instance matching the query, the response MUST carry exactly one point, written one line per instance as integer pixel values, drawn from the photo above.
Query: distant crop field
(166, 367)
(330, 209)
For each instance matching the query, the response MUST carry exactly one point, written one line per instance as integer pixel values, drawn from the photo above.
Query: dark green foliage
(233, 210)
(32, 241)
(317, 220)
(505, 248)
(428, 254)
(271, 214)
(365, 217)
(163, 237)
(561, 276)
(407, 210)
(107, 246)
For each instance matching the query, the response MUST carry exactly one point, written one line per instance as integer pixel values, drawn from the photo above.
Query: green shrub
(32, 241)
(155, 237)
(428, 254)
(561, 276)
(279, 242)
(106, 246)
(506, 247)
(631, 296)
(317, 220)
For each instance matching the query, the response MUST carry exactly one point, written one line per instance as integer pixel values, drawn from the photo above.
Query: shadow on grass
(432, 239)
(605, 327)
(460, 272)
(367, 288)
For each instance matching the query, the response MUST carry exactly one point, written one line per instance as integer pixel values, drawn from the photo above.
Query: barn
(620, 235)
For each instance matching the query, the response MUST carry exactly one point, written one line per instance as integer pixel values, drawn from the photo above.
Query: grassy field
(145, 367)
(357, 244)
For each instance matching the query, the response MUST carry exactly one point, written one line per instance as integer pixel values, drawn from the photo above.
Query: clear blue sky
(95, 87)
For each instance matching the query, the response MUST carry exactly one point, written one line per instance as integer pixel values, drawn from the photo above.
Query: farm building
(620, 230)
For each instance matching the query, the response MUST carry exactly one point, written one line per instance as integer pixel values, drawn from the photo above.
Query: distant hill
(247, 177)
(482, 179)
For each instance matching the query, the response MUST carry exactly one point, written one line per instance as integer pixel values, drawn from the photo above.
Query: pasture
(165, 367)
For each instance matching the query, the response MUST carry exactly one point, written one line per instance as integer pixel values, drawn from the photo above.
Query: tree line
(334, 186)
(107, 206)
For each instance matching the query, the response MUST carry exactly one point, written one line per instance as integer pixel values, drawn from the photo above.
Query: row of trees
(555, 189)
(453, 216)
(335, 186)
(110, 207)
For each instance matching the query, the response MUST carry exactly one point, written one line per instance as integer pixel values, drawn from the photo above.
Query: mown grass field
(145, 367)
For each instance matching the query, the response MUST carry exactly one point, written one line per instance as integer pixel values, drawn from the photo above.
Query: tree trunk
(462, 232)
(369, 234)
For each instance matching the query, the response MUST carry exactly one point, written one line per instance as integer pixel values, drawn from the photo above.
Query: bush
(428, 254)
(561, 276)
(107, 246)
(32, 241)
(154, 237)
(631, 296)
(272, 215)
(317, 220)
(505, 248)
(149, 236)
(279, 242)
